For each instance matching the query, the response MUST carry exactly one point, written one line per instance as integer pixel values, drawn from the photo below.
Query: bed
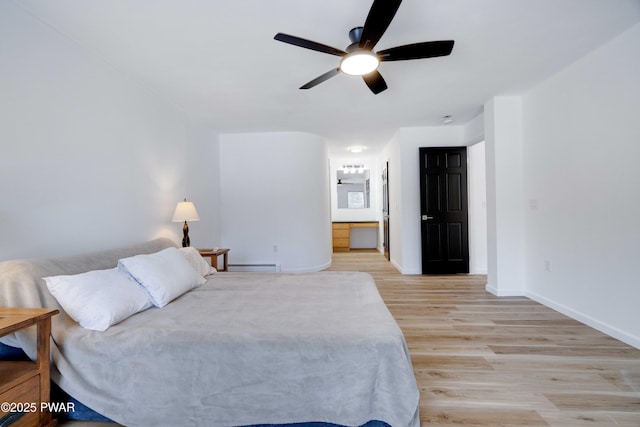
(242, 349)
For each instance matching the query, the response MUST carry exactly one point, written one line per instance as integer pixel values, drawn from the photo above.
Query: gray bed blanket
(242, 349)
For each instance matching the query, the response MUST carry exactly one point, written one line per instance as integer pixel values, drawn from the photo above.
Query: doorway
(385, 212)
(444, 210)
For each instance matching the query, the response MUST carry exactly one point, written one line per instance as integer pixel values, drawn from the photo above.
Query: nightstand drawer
(25, 397)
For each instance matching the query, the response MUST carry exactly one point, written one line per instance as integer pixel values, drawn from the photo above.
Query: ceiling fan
(358, 59)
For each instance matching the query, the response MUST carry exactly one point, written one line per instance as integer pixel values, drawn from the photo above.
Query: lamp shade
(185, 211)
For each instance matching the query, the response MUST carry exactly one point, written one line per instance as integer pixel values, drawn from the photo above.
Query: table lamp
(185, 211)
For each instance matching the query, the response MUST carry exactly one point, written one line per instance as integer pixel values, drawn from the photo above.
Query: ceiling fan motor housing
(354, 35)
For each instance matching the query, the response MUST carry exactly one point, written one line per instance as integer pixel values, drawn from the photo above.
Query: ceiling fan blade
(417, 51)
(308, 44)
(326, 76)
(380, 16)
(375, 82)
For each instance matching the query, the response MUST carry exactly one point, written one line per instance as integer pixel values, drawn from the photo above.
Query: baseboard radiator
(257, 268)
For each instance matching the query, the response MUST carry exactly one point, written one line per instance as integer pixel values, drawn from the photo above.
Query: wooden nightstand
(25, 386)
(214, 254)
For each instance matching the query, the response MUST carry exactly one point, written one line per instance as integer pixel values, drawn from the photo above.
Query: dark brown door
(385, 211)
(443, 205)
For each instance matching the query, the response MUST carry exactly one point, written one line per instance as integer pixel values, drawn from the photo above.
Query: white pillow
(196, 260)
(165, 275)
(98, 299)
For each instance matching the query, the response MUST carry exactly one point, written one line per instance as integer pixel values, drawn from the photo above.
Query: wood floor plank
(565, 350)
(456, 416)
(482, 360)
(612, 402)
(577, 418)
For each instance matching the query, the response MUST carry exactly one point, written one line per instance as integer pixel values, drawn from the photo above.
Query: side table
(213, 254)
(25, 386)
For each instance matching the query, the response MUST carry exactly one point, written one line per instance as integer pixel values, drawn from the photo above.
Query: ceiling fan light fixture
(359, 63)
(358, 59)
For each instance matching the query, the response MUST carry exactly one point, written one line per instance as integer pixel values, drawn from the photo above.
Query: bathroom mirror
(353, 188)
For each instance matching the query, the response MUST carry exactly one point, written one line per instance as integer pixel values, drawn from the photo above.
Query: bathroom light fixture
(353, 168)
(185, 211)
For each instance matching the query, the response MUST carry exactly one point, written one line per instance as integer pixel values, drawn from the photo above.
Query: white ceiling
(217, 60)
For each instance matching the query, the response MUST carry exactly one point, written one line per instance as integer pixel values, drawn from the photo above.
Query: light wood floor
(481, 360)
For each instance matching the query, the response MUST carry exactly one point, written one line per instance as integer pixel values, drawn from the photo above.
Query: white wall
(474, 130)
(477, 208)
(89, 160)
(202, 187)
(582, 188)
(505, 202)
(275, 200)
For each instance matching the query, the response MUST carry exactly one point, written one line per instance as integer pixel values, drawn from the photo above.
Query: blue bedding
(84, 413)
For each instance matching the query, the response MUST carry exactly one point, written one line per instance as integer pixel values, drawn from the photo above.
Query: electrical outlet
(275, 248)
(547, 266)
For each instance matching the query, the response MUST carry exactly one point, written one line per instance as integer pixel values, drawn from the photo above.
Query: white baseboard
(396, 266)
(504, 292)
(310, 269)
(275, 267)
(587, 320)
(254, 268)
